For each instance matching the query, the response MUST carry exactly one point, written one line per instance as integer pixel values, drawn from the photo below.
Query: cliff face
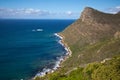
(93, 37)
(91, 27)
(91, 15)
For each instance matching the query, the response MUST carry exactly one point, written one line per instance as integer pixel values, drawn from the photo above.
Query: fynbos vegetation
(94, 40)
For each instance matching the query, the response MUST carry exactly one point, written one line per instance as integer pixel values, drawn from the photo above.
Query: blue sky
(53, 9)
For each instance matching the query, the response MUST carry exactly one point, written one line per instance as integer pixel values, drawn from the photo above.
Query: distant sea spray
(37, 30)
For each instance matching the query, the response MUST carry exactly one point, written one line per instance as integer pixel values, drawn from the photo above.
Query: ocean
(28, 47)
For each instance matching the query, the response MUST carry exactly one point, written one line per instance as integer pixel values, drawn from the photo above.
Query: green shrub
(109, 71)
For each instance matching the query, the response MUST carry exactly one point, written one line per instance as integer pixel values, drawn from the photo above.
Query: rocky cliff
(91, 27)
(94, 36)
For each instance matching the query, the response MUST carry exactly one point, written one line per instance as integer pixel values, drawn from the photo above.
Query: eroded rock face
(87, 14)
(90, 16)
(117, 34)
(91, 27)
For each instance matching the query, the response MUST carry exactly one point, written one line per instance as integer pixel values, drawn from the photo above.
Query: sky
(53, 9)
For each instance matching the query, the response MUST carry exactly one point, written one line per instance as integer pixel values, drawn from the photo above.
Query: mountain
(91, 27)
(93, 37)
(94, 40)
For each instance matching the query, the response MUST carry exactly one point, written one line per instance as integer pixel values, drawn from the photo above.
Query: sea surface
(29, 46)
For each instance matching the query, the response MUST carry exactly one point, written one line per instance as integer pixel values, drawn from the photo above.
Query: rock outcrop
(92, 26)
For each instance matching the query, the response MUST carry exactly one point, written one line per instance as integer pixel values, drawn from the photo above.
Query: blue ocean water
(28, 46)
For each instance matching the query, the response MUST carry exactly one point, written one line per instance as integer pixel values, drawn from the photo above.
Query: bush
(109, 71)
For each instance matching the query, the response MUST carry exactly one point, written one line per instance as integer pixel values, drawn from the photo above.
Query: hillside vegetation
(93, 38)
(109, 70)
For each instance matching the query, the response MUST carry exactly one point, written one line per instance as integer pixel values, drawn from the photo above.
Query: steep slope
(92, 26)
(94, 37)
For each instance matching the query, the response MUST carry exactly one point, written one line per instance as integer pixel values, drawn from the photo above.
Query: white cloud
(69, 13)
(35, 13)
(20, 12)
(118, 7)
(114, 10)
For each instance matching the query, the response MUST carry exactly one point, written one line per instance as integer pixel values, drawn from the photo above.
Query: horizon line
(33, 19)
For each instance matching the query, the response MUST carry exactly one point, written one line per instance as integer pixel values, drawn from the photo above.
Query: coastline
(67, 48)
(59, 61)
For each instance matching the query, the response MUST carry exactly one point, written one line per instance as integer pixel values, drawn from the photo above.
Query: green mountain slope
(94, 37)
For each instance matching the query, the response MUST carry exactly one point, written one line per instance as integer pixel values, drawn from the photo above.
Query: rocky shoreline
(60, 60)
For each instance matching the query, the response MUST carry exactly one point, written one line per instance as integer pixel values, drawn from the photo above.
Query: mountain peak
(93, 26)
(88, 9)
(90, 15)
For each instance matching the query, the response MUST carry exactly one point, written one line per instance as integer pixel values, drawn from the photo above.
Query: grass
(109, 70)
(91, 54)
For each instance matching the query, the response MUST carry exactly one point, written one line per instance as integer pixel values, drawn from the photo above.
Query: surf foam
(37, 30)
(57, 63)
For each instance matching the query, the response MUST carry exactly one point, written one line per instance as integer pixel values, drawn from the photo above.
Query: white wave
(57, 63)
(37, 30)
(43, 73)
(66, 49)
(60, 42)
(58, 36)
